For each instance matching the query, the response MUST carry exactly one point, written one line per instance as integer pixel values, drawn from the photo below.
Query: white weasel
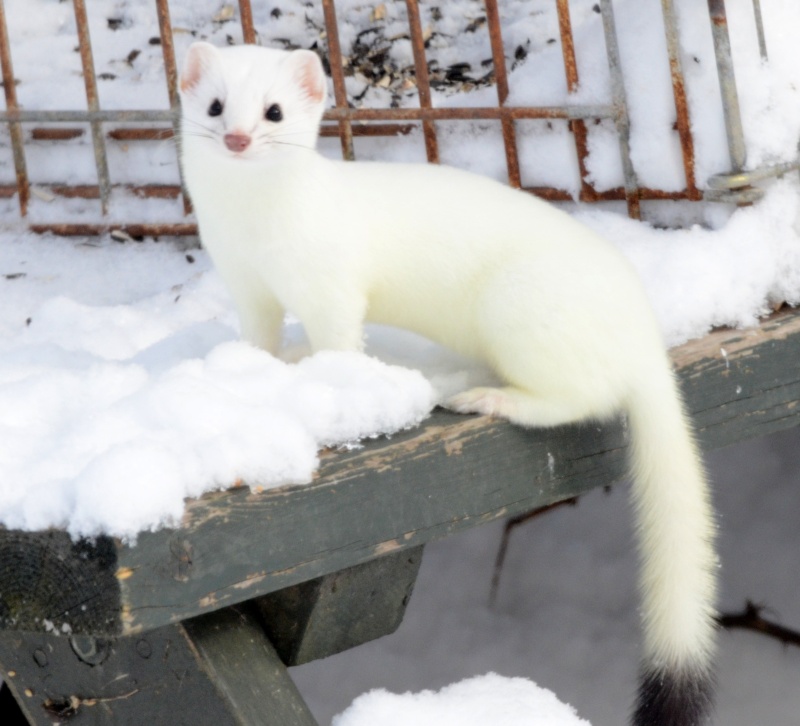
(486, 270)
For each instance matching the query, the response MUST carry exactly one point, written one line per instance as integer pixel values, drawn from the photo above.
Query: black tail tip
(668, 698)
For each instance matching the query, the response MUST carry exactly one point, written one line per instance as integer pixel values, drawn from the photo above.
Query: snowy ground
(566, 611)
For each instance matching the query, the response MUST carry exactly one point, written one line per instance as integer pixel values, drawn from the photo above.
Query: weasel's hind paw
(491, 401)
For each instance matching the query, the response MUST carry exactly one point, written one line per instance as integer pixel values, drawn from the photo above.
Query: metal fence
(346, 122)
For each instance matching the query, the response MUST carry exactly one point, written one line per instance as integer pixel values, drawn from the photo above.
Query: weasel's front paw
(488, 401)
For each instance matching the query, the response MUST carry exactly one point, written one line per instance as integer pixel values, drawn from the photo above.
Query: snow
(472, 702)
(119, 401)
(124, 388)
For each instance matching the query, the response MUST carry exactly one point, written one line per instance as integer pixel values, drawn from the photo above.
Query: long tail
(678, 582)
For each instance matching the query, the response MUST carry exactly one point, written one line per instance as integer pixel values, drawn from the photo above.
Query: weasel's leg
(261, 320)
(340, 328)
(518, 406)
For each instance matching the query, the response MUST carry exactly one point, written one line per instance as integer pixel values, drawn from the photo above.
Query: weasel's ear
(307, 72)
(199, 58)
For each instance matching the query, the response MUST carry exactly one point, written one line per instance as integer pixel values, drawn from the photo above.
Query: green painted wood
(330, 614)
(451, 473)
(149, 679)
(45, 575)
(218, 669)
(246, 671)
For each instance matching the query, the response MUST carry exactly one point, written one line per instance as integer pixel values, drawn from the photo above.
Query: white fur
(489, 271)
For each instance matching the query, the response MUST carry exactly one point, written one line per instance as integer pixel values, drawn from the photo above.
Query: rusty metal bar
(171, 68)
(172, 191)
(727, 84)
(15, 130)
(332, 114)
(421, 76)
(168, 52)
(92, 191)
(679, 93)
(43, 134)
(620, 108)
(246, 17)
(337, 76)
(162, 134)
(181, 229)
(617, 194)
(91, 116)
(141, 134)
(471, 114)
(371, 130)
(762, 40)
(578, 126)
(501, 79)
(92, 100)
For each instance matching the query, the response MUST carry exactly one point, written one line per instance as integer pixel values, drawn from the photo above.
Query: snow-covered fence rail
(121, 126)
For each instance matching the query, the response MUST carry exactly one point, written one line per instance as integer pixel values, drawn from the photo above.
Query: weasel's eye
(274, 113)
(215, 109)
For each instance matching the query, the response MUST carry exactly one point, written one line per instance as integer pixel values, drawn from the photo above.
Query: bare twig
(751, 619)
(512, 524)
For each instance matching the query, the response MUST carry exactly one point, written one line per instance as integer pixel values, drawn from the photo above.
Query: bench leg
(217, 669)
(339, 611)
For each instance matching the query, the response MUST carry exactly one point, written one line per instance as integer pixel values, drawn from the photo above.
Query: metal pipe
(92, 100)
(337, 76)
(679, 94)
(246, 15)
(620, 108)
(746, 178)
(727, 84)
(578, 127)
(501, 80)
(15, 130)
(423, 82)
(762, 40)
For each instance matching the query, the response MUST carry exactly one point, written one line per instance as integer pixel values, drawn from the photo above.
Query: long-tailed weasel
(487, 270)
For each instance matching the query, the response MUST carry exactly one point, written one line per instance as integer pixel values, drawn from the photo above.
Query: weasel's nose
(237, 142)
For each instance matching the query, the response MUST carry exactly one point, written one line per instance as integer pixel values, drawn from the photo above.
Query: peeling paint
(123, 573)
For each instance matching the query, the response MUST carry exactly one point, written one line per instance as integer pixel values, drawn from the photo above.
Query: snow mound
(489, 699)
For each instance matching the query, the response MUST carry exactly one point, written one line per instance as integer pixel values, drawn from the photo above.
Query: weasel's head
(249, 102)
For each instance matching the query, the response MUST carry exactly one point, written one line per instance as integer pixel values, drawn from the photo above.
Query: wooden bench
(196, 625)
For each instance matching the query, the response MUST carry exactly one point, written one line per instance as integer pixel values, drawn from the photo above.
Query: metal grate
(347, 122)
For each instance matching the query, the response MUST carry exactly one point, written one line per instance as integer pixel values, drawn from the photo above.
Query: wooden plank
(246, 671)
(450, 473)
(331, 614)
(218, 669)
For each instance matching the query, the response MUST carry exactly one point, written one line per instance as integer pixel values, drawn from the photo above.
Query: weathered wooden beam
(450, 473)
(330, 614)
(217, 669)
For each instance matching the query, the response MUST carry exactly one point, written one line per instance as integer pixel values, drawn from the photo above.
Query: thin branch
(512, 524)
(751, 619)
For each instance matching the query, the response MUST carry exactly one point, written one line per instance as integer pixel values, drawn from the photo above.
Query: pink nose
(237, 142)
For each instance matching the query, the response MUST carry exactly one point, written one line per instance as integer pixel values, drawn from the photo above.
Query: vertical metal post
(679, 94)
(577, 126)
(171, 70)
(337, 75)
(620, 104)
(90, 83)
(423, 83)
(762, 40)
(727, 84)
(15, 129)
(246, 15)
(501, 78)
